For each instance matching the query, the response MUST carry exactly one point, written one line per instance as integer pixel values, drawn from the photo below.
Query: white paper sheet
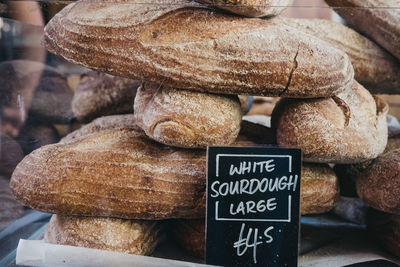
(39, 253)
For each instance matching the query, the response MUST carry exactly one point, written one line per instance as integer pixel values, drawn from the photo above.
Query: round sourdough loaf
(126, 236)
(348, 128)
(187, 45)
(188, 119)
(99, 94)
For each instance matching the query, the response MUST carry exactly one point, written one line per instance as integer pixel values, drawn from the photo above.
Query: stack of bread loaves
(193, 59)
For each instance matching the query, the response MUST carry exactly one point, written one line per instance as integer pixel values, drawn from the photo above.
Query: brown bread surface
(113, 173)
(190, 119)
(379, 185)
(252, 8)
(378, 19)
(126, 236)
(187, 45)
(319, 190)
(99, 94)
(348, 128)
(376, 69)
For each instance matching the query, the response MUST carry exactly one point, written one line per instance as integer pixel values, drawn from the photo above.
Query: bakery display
(126, 236)
(188, 119)
(118, 173)
(374, 19)
(99, 94)
(376, 69)
(348, 128)
(251, 8)
(181, 68)
(187, 45)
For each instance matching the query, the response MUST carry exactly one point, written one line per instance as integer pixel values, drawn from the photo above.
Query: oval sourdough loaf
(251, 8)
(187, 45)
(348, 128)
(188, 119)
(386, 229)
(99, 94)
(126, 236)
(378, 19)
(374, 68)
(116, 172)
(379, 185)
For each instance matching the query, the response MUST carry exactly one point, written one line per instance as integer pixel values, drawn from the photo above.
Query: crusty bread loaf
(376, 69)
(378, 19)
(190, 236)
(251, 8)
(348, 128)
(319, 189)
(379, 185)
(187, 45)
(99, 94)
(117, 172)
(386, 229)
(188, 119)
(126, 236)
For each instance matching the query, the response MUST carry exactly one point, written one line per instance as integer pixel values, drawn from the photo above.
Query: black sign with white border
(252, 206)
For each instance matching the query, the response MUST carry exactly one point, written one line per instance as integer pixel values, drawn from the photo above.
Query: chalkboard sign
(253, 206)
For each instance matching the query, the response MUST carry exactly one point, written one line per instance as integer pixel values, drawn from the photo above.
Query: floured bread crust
(188, 119)
(188, 45)
(126, 236)
(348, 128)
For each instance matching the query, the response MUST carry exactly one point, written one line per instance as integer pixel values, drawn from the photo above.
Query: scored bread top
(348, 128)
(191, 46)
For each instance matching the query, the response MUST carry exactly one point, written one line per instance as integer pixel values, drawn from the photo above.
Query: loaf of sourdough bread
(188, 45)
(348, 128)
(185, 118)
(117, 172)
(126, 236)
